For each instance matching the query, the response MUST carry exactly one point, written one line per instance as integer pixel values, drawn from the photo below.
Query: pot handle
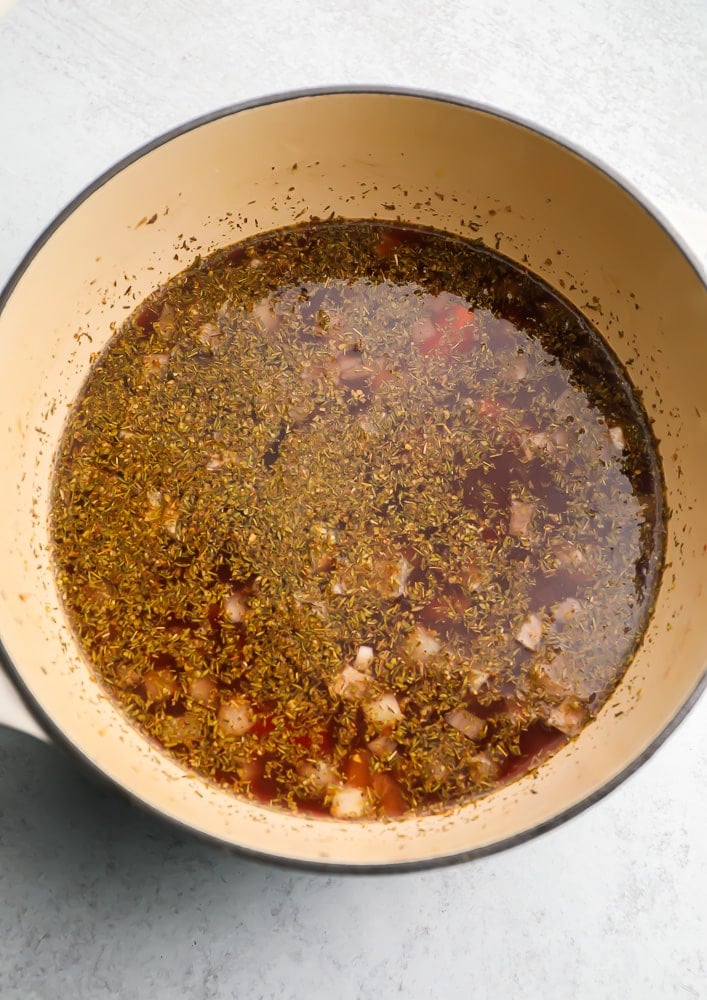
(14, 712)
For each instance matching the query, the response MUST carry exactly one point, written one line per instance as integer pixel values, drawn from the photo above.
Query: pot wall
(359, 155)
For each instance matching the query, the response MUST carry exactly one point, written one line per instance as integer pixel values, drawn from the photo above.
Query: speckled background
(99, 900)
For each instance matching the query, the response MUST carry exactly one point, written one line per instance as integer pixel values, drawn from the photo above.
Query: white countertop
(98, 899)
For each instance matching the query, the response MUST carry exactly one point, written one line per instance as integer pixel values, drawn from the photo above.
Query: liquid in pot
(358, 519)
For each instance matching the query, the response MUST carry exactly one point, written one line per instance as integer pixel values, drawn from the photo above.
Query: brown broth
(358, 519)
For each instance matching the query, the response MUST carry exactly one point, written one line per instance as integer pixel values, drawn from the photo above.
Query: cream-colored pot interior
(381, 155)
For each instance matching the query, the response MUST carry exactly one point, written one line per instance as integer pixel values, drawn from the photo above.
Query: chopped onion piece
(383, 711)
(235, 717)
(235, 607)
(569, 716)
(350, 684)
(484, 768)
(364, 658)
(249, 768)
(476, 679)
(163, 511)
(390, 576)
(519, 715)
(264, 314)
(209, 335)
(569, 557)
(467, 724)
(617, 438)
(185, 728)
(439, 770)
(518, 368)
(351, 367)
(170, 525)
(521, 518)
(424, 331)
(539, 441)
(349, 803)
(383, 747)
(154, 363)
(530, 633)
(226, 312)
(203, 691)
(422, 644)
(561, 437)
(565, 610)
(319, 775)
(557, 677)
(325, 533)
(167, 317)
(160, 685)
(403, 575)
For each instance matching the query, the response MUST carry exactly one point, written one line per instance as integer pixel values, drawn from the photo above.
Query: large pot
(423, 159)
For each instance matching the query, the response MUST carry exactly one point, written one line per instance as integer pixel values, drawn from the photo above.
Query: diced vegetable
(364, 658)
(349, 803)
(265, 315)
(383, 711)
(160, 685)
(383, 747)
(570, 716)
(389, 794)
(350, 683)
(422, 644)
(617, 438)
(467, 724)
(235, 607)
(186, 728)
(204, 691)
(318, 775)
(564, 611)
(235, 717)
(521, 518)
(155, 363)
(557, 676)
(210, 335)
(357, 769)
(530, 633)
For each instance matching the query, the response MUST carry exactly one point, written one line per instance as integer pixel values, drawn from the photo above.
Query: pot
(423, 159)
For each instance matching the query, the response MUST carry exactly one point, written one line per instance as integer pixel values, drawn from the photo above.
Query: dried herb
(358, 519)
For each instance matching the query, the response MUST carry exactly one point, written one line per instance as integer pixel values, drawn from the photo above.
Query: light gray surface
(97, 899)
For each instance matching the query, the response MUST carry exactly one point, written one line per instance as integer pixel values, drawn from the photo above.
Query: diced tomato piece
(451, 328)
(321, 742)
(357, 769)
(380, 378)
(147, 316)
(263, 726)
(459, 317)
(431, 342)
(390, 794)
(446, 607)
(492, 409)
(387, 244)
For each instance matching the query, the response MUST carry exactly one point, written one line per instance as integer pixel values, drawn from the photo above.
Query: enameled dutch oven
(422, 159)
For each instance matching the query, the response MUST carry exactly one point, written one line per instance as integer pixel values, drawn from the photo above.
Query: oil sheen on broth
(358, 519)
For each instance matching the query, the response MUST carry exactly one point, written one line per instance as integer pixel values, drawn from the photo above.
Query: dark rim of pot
(45, 720)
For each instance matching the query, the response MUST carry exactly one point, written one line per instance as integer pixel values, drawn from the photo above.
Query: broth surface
(358, 519)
